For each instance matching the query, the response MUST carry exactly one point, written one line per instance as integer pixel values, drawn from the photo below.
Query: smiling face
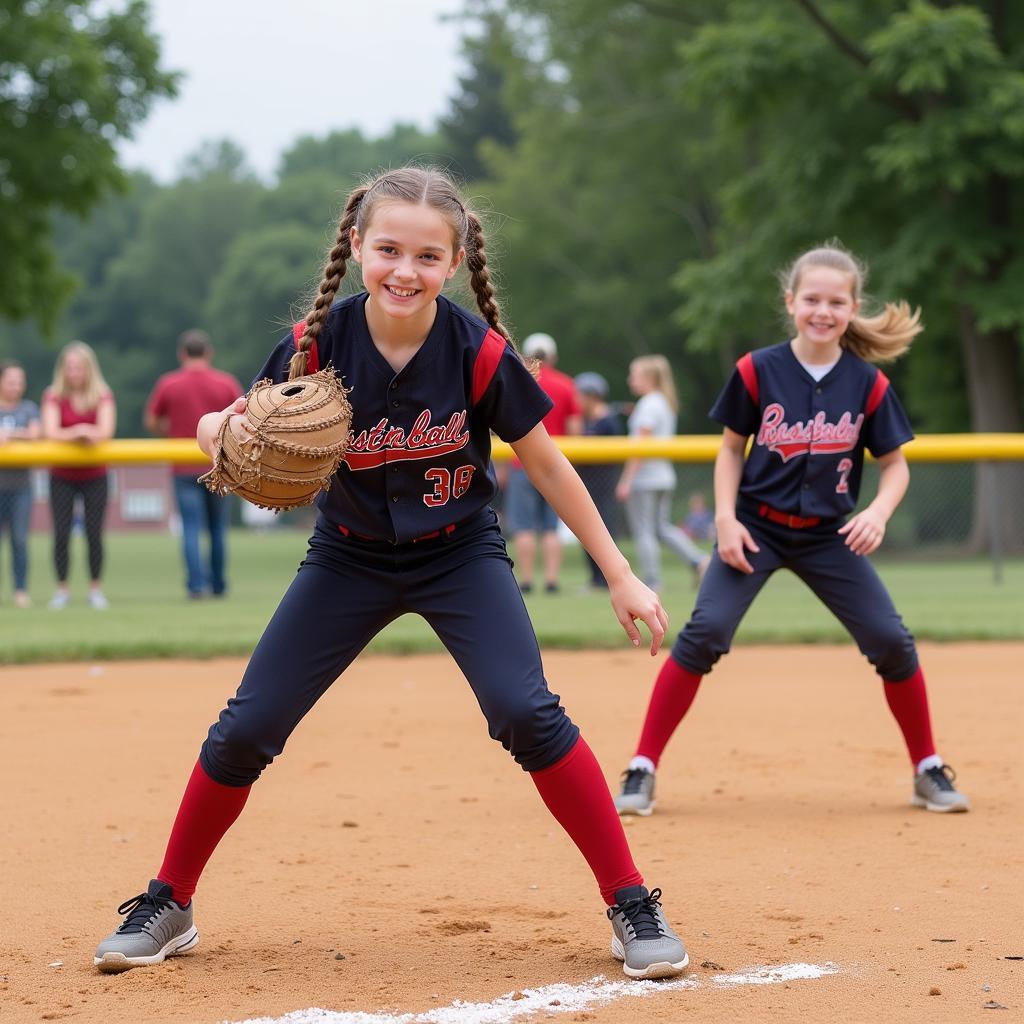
(407, 253)
(822, 306)
(12, 385)
(76, 371)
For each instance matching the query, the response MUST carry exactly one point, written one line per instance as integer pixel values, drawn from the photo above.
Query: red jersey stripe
(746, 367)
(877, 393)
(486, 363)
(313, 358)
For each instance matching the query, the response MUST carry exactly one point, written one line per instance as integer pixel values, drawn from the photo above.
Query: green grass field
(149, 616)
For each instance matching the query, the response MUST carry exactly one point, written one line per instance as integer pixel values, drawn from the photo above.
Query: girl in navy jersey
(813, 404)
(407, 527)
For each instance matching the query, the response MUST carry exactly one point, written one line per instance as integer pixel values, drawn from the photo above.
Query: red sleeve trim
(877, 393)
(749, 374)
(313, 356)
(486, 365)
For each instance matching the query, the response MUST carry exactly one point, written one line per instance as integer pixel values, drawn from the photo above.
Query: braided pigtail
(334, 271)
(480, 277)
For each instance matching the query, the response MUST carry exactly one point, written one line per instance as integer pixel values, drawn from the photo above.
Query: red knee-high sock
(908, 702)
(208, 809)
(673, 694)
(576, 793)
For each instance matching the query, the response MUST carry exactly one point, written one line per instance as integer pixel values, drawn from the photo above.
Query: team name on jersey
(815, 436)
(385, 443)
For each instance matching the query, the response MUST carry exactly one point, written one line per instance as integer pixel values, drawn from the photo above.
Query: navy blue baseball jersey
(419, 454)
(809, 436)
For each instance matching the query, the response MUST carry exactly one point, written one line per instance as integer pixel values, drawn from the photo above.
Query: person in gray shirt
(647, 485)
(19, 421)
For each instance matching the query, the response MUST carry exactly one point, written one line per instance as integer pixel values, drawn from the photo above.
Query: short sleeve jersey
(419, 454)
(654, 416)
(809, 436)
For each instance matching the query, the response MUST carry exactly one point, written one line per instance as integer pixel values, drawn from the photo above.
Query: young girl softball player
(813, 405)
(407, 527)
(647, 485)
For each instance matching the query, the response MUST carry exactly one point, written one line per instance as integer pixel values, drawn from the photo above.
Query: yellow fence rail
(700, 448)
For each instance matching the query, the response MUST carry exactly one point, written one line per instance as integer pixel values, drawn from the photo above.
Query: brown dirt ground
(395, 832)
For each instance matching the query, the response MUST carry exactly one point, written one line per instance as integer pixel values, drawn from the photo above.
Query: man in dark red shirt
(174, 408)
(526, 511)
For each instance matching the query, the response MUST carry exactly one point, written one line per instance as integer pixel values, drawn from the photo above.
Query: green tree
(74, 78)
(477, 113)
(349, 155)
(898, 128)
(256, 296)
(603, 194)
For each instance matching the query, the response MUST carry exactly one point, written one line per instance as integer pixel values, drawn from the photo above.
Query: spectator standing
(599, 420)
(78, 406)
(178, 401)
(526, 510)
(647, 485)
(19, 421)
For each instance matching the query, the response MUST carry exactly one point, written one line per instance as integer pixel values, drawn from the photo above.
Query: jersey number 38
(447, 485)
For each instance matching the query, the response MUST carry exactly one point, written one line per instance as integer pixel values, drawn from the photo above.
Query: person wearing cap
(599, 420)
(526, 512)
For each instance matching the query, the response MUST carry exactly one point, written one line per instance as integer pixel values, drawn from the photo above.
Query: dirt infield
(396, 860)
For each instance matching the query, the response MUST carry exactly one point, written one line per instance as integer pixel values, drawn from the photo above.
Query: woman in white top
(647, 485)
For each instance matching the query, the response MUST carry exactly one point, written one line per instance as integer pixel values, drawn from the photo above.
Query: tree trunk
(991, 363)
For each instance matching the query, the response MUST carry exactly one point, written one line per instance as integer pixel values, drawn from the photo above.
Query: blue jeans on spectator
(200, 509)
(15, 512)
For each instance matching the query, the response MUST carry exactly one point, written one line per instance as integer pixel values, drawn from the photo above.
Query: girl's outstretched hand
(864, 531)
(632, 600)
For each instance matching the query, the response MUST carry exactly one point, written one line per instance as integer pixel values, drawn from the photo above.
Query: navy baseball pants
(346, 591)
(846, 583)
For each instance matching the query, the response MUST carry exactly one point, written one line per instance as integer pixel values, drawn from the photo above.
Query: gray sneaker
(155, 928)
(934, 790)
(637, 796)
(641, 937)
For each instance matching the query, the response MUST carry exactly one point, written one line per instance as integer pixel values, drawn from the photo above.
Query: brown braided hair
(480, 276)
(334, 271)
(428, 186)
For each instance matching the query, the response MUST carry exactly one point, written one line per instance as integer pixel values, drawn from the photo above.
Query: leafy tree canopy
(74, 78)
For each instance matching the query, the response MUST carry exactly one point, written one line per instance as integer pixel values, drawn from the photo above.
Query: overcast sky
(263, 74)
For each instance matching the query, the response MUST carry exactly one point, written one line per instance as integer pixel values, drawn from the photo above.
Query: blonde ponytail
(886, 336)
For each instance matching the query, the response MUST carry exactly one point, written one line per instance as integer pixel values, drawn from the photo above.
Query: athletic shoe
(59, 601)
(934, 790)
(155, 927)
(637, 796)
(641, 937)
(98, 601)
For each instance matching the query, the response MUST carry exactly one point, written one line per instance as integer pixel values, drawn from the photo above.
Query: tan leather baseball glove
(301, 431)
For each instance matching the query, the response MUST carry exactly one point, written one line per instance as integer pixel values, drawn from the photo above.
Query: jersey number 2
(447, 485)
(843, 468)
